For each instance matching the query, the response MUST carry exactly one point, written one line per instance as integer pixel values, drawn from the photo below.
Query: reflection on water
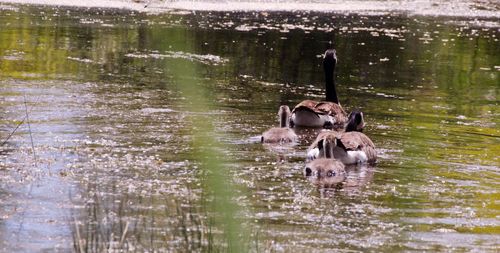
(115, 165)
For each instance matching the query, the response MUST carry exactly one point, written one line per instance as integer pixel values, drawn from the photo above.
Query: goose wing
(334, 110)
(308, 105)
(357, 141)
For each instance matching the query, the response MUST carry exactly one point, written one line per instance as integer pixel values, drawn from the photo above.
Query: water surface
(112, 163)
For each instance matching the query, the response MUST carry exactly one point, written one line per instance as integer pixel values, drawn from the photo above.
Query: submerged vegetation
(145, 129)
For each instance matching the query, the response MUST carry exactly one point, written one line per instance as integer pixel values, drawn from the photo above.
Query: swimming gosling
(326, 171)
(282, 134)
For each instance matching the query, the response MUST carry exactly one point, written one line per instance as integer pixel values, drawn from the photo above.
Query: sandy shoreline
(460, 8)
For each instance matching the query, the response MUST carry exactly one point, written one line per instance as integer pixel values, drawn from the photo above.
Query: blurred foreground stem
(207, 151)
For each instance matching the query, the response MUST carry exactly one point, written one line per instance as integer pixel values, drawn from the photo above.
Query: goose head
(355, 122)
(329, 60)
(284, 115)
(327, 145)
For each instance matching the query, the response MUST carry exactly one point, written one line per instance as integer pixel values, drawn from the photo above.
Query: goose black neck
(351, 126)
(331, 92)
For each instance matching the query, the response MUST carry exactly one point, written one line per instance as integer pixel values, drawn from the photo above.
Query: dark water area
(120, 104)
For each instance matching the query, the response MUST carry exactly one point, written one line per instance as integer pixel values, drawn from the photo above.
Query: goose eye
(330, 174)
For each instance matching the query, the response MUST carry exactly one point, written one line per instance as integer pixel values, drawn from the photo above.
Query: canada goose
(326, 171)
(282, 134)
(352, 146)
(329, 113)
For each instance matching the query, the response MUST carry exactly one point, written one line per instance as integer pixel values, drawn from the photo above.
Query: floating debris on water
(80, 59)
(205, 59)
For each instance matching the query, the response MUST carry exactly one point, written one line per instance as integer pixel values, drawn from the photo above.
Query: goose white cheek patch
(312, 154)
(330, 120)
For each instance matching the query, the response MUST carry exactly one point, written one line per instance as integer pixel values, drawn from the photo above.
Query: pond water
(121, 119)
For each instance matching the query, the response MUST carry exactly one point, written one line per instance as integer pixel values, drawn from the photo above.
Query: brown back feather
(333, 109)
(324, 107)
(306, 104)
(279, 135)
